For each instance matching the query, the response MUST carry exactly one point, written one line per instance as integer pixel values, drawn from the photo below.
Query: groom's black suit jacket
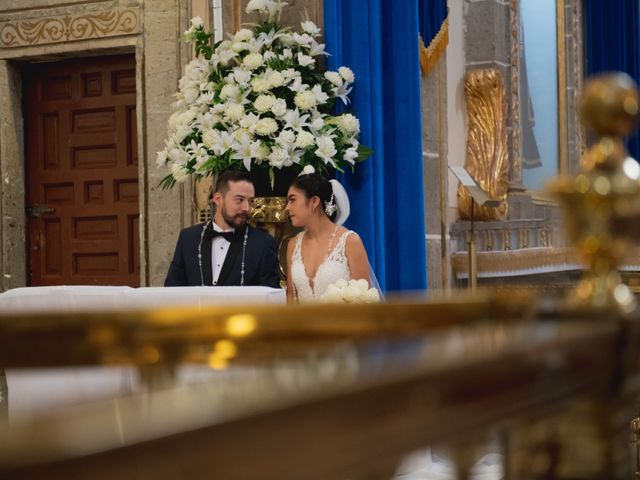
(260, 263)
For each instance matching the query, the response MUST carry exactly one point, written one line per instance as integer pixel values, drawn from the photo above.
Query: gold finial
(602, 203)
(609, 104)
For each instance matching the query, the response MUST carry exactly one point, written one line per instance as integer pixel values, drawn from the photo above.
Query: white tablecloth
(33, 392)
(80, 297)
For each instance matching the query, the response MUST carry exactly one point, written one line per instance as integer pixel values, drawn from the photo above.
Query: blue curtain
(378, 40)
(431, 15)
(613, 43)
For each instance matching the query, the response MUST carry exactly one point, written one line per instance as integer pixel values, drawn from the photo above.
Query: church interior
(480, 155)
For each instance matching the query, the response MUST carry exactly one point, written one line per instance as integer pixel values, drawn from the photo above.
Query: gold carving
(514, 16)
(67, 28)
(487, 159)
(270, 210)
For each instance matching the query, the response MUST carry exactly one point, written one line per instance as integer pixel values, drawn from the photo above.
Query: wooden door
(82, 172)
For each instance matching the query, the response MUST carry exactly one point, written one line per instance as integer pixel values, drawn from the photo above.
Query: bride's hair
(316, 185)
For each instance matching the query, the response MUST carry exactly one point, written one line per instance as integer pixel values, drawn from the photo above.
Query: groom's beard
(235, 221)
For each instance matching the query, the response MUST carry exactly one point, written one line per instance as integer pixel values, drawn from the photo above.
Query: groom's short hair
(231, 176)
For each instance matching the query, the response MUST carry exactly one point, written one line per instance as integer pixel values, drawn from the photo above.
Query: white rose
(308, 170)
(190, 94)
(372, 295)
(334, 78)
(350, 293)
(305, 60)
(279, 107)
(197, 22)
(239, 46)
(332, 294)
(310, 28)
(361, 284)
(224, 56)
(182, 132)
(178, 172)
(287, 54)
(278, 158)
(276, 79)
(347, 74)
(243, 35)
(242, 76)
(256, 6)
(261, 150)
(210, 137)
(286, 39)
(229, 91)
(341, 283)
(253, 61)
(286, 137)
(266, 126)
(304, 139)
(259, 85)
(242, 135)
(235, 112)
(269, 55)
(348, 123)
(305, 100)
(263, 103)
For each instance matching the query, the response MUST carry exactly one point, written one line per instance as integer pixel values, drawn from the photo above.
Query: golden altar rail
(422, 373)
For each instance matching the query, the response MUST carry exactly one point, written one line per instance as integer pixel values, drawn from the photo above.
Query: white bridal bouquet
(259, 99)
(352, 291)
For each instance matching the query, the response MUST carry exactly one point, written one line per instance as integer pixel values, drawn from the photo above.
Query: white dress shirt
(219, 249)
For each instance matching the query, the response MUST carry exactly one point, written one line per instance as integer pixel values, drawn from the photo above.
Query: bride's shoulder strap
(343, 240)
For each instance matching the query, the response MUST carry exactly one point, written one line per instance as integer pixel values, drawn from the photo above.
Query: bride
(324, 251)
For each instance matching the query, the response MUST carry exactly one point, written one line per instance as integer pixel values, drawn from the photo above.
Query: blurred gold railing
(557, 387)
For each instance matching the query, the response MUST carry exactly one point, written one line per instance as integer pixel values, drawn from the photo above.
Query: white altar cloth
(71, 298)
(33, 392)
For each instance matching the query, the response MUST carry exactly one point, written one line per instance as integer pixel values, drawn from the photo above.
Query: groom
(226, 251)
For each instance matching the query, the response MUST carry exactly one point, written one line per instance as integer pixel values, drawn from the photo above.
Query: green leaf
(363, 153)
(167, 182)
(272, 177)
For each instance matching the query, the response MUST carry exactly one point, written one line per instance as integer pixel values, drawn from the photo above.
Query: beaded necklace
(244, 247)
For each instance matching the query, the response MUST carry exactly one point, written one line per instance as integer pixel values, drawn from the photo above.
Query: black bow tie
(228, 236)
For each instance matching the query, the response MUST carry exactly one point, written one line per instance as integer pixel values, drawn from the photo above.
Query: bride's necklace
(333, 235)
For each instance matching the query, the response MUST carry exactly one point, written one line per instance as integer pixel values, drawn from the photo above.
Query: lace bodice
(334, 267)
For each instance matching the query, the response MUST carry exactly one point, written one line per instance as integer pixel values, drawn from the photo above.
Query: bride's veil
(343, 210)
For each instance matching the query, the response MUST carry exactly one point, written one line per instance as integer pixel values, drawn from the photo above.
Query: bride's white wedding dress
(334, 267)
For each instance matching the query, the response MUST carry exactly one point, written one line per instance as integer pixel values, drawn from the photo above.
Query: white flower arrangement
(352, 291)
(259, 99)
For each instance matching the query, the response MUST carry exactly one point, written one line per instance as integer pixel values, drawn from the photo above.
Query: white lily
(343, 92)
(294, 120)
(244, 149)
(319, 95)
(224, 143)
(326, 149)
